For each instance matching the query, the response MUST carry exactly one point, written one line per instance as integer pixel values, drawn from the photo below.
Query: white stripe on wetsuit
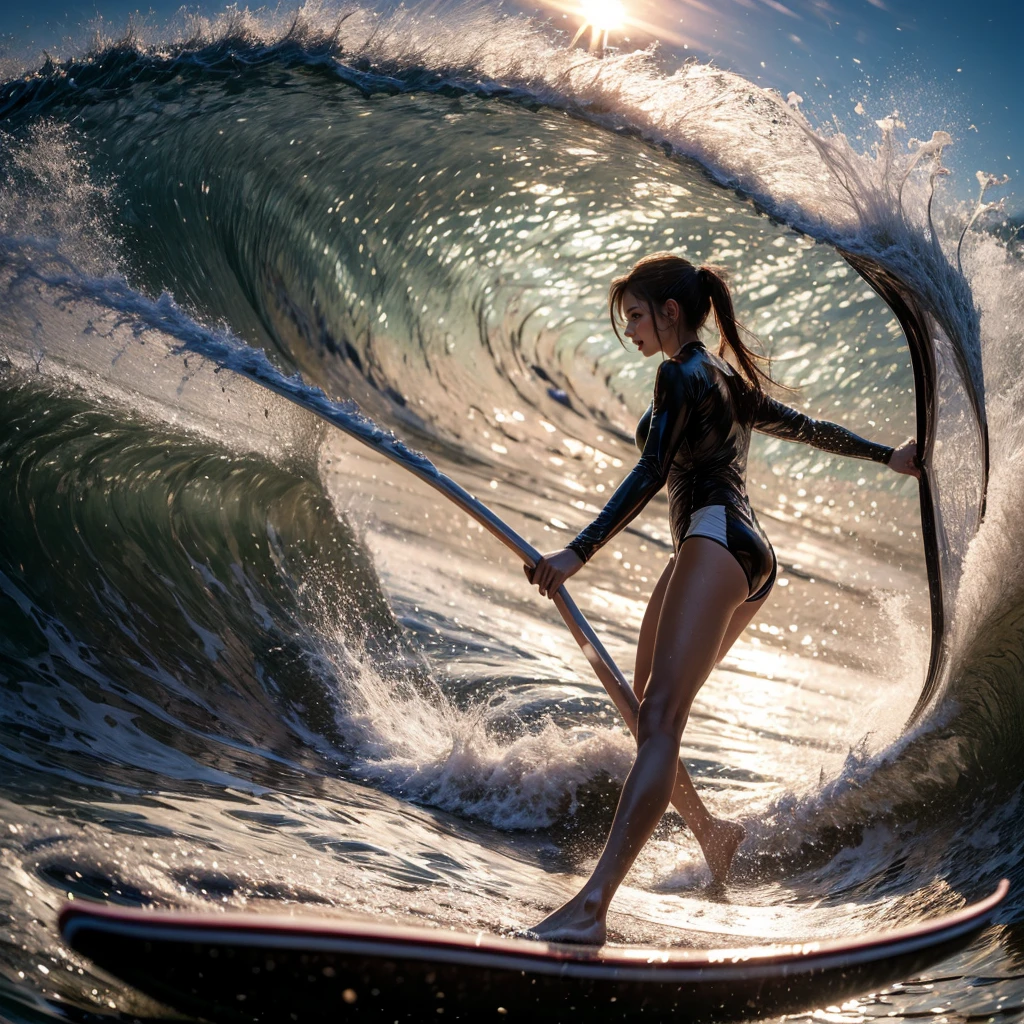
(709, 521)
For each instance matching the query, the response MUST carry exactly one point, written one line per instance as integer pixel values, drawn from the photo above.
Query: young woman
(695, 437)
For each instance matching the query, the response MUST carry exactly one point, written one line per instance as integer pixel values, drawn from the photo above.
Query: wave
(425, 221)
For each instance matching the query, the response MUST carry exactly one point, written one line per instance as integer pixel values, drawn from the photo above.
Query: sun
(603, 15)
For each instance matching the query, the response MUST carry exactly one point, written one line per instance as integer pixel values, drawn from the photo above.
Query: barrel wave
(247, 660)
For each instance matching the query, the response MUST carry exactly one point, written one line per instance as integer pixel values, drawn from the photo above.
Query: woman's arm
(669, 415)
(778, 420)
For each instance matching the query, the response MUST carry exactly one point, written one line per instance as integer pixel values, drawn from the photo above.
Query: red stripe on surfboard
(220, 928)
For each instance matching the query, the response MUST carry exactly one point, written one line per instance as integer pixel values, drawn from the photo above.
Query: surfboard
(249, 967)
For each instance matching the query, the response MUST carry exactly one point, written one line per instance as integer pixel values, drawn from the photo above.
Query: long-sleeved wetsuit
(695, 438)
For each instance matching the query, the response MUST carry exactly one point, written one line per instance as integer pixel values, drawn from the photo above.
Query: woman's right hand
(553, 570)
(904, 459)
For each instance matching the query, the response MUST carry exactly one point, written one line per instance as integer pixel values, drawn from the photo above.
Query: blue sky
(942, 65)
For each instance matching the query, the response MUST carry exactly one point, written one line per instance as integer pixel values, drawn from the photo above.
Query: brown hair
(698, 290)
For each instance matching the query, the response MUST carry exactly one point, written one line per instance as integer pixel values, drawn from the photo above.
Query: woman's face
(640, 326)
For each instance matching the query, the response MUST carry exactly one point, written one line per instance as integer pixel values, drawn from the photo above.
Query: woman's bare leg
(719, 838)
(740, 620)
(704, 591)
(649, 631)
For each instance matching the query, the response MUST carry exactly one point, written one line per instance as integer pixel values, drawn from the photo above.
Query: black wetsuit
(695, 437)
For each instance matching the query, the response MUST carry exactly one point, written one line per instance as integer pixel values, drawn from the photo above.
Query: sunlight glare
(604, 15)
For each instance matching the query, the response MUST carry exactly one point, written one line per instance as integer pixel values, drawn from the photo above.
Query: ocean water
(248, 662)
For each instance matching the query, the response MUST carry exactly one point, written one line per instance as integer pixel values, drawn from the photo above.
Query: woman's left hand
(553, 570)
(904, 459)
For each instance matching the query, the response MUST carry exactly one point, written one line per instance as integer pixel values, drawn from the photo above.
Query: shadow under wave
(159, 596)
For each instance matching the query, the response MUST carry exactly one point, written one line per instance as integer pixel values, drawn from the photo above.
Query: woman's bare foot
(721, 847)
(578, 920)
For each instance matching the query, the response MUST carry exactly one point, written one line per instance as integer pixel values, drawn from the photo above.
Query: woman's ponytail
(717, 292)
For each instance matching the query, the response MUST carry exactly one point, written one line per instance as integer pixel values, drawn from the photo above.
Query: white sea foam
(985, 626)
(420, 746)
